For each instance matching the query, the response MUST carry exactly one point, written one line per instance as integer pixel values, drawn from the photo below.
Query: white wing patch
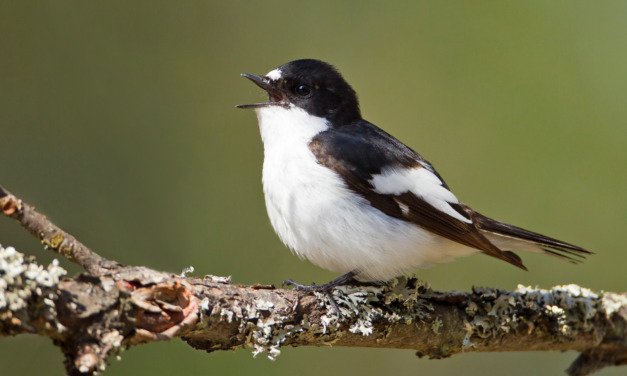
(404, 208)
(421, 182)
(274, 74)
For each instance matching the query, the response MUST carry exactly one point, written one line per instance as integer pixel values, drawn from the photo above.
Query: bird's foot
(341, 280)
(326, 289)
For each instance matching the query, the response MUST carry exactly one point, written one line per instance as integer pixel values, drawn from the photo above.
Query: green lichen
(58, 243)
(55, 241)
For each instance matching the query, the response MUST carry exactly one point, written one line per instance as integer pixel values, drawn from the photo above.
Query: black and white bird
(349, 197)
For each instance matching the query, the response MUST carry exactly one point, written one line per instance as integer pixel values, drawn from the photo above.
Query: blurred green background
(117, 119)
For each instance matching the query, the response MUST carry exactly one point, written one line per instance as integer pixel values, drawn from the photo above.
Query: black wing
(360, 151)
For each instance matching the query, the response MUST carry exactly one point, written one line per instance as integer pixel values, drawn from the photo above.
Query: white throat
(287, 128)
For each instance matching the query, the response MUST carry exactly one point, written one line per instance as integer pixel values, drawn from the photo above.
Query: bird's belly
(320, 219)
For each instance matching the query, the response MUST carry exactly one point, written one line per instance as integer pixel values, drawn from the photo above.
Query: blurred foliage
(117, 120)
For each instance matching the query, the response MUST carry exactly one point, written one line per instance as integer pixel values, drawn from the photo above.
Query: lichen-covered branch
(92, 316)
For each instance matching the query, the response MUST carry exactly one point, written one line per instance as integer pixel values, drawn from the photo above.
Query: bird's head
(311, 85)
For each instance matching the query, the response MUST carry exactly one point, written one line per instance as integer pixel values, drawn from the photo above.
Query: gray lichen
(437, 325)
(186, 271)
(613, 303)
(24, 282)
(447, 322)
(569, 308)
(360, 308)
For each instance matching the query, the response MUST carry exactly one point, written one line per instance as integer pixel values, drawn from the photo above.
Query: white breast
(320, 219)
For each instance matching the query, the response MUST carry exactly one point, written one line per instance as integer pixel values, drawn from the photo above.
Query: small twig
(53, 237)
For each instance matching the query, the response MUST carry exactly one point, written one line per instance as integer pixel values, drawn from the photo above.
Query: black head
(314, 86)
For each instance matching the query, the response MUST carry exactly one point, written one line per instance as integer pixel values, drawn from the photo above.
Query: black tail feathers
(550, 246)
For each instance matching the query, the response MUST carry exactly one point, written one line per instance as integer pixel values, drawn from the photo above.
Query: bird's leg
(341, 280)
(326, 288)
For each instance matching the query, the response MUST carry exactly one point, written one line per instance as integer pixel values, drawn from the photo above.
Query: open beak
(276, 97)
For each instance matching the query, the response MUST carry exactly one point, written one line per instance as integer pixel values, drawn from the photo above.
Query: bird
(351, 198)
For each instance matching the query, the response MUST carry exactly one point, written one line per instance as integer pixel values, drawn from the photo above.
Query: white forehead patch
(274, 74)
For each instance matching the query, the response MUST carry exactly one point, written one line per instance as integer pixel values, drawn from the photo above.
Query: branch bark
(92, 316)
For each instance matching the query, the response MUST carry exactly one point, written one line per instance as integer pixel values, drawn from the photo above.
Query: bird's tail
(509, 237)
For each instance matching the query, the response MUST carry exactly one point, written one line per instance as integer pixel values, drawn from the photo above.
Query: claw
(326, 289)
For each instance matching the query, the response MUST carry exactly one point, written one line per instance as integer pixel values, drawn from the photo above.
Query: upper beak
(265, 84)
(259, 81)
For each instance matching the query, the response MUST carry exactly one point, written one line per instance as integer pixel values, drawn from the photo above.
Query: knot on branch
(163, 310)
(9, 204)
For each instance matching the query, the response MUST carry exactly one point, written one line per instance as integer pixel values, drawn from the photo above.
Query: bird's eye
(302, 90)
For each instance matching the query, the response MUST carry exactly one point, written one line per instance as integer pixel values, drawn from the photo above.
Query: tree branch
(51, 236)
(92, 316)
